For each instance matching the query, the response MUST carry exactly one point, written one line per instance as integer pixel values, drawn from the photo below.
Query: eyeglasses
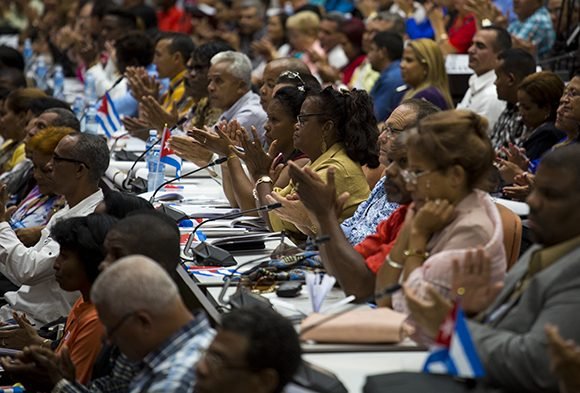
(391, 132)
(302, 117)
(57, 158)
(115, 329)
(216, 362)
(570, 93)
(411, 177)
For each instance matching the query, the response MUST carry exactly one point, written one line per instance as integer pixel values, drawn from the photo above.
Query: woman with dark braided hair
(334, 129)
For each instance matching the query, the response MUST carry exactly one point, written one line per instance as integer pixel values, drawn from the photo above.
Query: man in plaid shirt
(534, 28)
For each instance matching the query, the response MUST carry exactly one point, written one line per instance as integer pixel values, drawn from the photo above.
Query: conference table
(202, 193)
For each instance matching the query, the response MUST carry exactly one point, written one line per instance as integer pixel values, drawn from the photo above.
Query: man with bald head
(273, 70)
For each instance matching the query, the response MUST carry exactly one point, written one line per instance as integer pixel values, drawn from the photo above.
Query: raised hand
(293, 211)
(427, 314)
(472, 282)
(217, 142)
(564, 360)
(136, 127)
(507, 170)
(433, 216)
(189, 149)
(258, 161)
(141, 85)
(153, 113)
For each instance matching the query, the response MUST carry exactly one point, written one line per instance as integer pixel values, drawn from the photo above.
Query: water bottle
(78, 107)
(58, 79)
(148, 145)
(90, 90)
(41, 73)
(156, 174)
(91, 125)
(28, 54)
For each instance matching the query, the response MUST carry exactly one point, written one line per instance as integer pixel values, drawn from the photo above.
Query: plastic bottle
(28, 55)
(90, 90)
(91, 125)
(156, 174)
(41, 73)
(78, 107)
(58, 80)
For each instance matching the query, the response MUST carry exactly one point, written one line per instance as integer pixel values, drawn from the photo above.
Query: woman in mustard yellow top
(335, 129)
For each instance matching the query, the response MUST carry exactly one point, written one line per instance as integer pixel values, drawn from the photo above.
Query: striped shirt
(175, 96)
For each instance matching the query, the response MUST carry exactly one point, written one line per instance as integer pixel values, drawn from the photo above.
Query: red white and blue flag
(167, 155)
(454, 352)
(107, 117)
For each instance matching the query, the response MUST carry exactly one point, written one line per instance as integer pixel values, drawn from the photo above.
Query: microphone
(119, 79)
(199, 250)
(215, 162)
(130, 175)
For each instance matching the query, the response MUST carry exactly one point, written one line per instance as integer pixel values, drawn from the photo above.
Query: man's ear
(145, 320)
(512, 78)
(268, 379)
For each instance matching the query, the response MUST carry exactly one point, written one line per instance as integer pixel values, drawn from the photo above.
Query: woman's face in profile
(412, 70)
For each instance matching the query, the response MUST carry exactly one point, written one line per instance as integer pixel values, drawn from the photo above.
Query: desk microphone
(203, 250)
(218, 161)
(119, 79)
(130, 175)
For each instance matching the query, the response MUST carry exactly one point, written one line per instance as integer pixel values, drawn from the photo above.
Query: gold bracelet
(416, 253)
(263, 179)
(394, 264)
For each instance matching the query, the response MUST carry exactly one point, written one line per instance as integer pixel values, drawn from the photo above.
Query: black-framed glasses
(119, 324)
(301, 118)
(57, 158)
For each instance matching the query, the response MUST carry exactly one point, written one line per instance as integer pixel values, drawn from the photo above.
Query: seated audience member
(329, 37)
(450, 157)
(264, 167)
(113, 370)
(37, 208)
(76, 166)
(260, 343)
(385, 57)
(330, 134)
(512, 67)
(143, 314)
(378, 206)
(19, 181)
(533, 29)
(455, 34)
(355, 268)
(273, 45)
(423, 70)
(120, 204)
(481, 96)
(538, 98)
(509, 335)
(273, 70)
(15, 116)
(171, 18)
(115, 23)
(133, 49)
(229, 88)
(364, 77)
(11, 79)
(186, 147)
(76, 268)
(251, 27)
(302, 29)
(352, 31)
(171, 54)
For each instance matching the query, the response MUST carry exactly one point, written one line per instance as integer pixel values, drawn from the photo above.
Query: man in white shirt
(481, 96)
(329, 38)
(77, 165)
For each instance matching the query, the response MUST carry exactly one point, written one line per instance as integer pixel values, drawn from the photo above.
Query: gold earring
(323, 146)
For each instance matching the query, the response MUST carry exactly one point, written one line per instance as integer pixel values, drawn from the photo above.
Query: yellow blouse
(348, 176)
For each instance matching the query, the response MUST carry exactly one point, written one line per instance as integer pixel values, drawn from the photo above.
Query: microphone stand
(213, 163)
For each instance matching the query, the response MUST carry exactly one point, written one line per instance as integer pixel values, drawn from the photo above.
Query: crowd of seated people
(339, 111)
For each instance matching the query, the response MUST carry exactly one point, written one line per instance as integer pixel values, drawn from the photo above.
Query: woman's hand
(189, 149)
(258, 161)
(428, 314)
(217, 142)
(317, 196)
(21, 336)
(432, 217)
(516, 155)
(292, 210)
(507, 170)
(141, 85)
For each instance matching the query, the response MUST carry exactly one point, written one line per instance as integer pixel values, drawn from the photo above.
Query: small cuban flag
(167, 155)
(454, 352)
(107, 117)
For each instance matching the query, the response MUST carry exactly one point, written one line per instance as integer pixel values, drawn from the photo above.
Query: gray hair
(398, 22)
(94, 152)
(239, 66)
(134, 283)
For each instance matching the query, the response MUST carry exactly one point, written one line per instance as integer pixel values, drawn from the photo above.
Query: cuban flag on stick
(107, 117)
(167, 155)
(454, 352)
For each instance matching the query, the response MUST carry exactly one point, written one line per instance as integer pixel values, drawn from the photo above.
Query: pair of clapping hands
(513, 171)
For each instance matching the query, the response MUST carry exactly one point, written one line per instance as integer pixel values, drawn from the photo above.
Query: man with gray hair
(78, 163)
(229, 89)
(139, 305)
